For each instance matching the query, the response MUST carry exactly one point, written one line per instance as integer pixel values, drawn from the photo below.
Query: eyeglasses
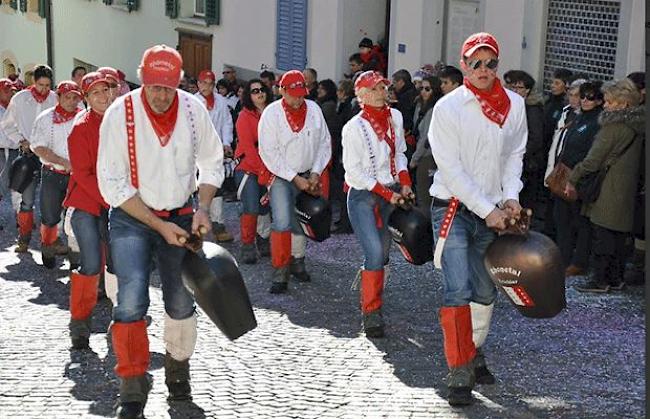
(227, 72)
(516, 86)
(425, 88)
(257, 91)
(588, 97)
(490, 64)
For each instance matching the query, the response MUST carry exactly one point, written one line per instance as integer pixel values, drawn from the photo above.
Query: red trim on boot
(83, 295)
(456, 325)
(280, 248)
(248, 228)
(25, 221)
(372, 288)
(131, 347)
(48, 234)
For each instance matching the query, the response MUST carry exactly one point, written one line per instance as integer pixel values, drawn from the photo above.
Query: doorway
(196, 50)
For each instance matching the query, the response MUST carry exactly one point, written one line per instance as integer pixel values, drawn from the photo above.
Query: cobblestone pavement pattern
(308, 357)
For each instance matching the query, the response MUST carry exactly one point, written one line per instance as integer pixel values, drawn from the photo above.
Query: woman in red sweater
(251, 175)
(90, 216)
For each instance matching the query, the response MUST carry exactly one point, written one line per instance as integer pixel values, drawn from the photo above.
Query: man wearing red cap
(90, 212)
(295, 146)
(478, 138)
(222, 120)
(49, 141)
(375, 167)
(151, 143)
(113, 80)
(17, 125)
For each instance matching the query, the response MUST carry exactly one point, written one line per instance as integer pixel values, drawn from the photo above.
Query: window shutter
(42, 8)
(171, 8)
(23, 6)
(212, 12)
(291, 41)
(132, 5)
(13, 4)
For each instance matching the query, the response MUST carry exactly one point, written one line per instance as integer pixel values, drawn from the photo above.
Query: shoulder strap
(130, 133)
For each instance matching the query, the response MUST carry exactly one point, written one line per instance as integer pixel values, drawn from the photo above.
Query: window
(291, 41)
(199, 8)
(128, 5)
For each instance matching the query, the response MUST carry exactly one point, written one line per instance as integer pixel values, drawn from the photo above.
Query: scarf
(209, 101)
(40, 98)
(380, 121)
(295, 117)
(4, 104)
(163, 123)
(61, 116)
(495, 103)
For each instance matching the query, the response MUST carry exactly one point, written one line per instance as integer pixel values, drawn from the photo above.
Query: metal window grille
(582, 36)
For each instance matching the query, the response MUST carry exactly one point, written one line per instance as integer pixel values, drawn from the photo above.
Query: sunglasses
(425, 88)
(490, 63)
(227, 72)
(298, 85)
(588, 97)
(257, 91)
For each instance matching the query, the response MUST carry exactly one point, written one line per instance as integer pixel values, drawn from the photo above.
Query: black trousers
(609, 249)
(573, 233)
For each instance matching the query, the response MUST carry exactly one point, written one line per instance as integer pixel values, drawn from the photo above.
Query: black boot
(460, 382)
(280, 280)
(373, 324)
(80, 333)
(177, 378)
(263, 246)
(481, 372)
(248, 254)
(74, 259)
(133, 397)
(298, 269)
(48, 256)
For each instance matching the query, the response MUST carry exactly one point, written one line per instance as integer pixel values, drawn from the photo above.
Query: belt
(52, 169)
(437, 202)
(174, 213)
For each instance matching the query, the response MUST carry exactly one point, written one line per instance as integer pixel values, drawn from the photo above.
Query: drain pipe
(48, 32)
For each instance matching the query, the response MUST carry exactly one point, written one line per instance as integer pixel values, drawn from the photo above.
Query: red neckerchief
(40, 98)
(209, 101)
(4, 104)
(365, 57)
(295, 117)
(163, 123)
(495, 103)
(61, 116)
(380, 121)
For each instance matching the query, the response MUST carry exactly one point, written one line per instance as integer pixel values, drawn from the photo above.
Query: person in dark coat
(617, 145)
(574, 229)
(532, 196)
(345, 95)
(555, 102)
(406, 93)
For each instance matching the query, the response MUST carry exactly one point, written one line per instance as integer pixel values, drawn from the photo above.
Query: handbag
(558, 179)
(589, 186)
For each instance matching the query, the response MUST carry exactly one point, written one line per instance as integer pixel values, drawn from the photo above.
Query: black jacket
(580, 136)
(535, 158)
(552, 112)
(406, 104)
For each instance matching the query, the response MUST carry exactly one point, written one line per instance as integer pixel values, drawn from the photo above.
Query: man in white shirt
(17, 125)
(478, 138)
(152, 141)
(7, 90)
(295, 146)
(49, 141)
(222, 120)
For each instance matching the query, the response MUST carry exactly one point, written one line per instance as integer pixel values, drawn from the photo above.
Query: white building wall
(505, 20)
(22, 39)
(323, 50)
(358, 19)
(636, 41)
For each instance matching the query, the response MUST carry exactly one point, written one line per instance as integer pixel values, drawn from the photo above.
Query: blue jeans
(6, 157)
(375, 241)
(465, 278)
(283, 204)
(91, 233)
(251, 194)
(133, 245)
(53, 190)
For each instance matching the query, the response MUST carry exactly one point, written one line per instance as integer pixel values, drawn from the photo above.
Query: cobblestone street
(308, 357)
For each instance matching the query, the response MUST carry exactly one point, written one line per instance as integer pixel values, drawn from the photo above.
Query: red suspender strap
(130, 133)
(444, 231)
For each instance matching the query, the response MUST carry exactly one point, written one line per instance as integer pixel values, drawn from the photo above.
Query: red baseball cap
(109, 73)
(206, 75)
(161, 66)
(294, 83)
(370, 79)
(7, 84)
(479, 40)
(120, 74)
(67, 86)
(91, 79)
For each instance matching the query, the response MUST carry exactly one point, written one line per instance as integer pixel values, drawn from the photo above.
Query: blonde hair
(622, 91)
